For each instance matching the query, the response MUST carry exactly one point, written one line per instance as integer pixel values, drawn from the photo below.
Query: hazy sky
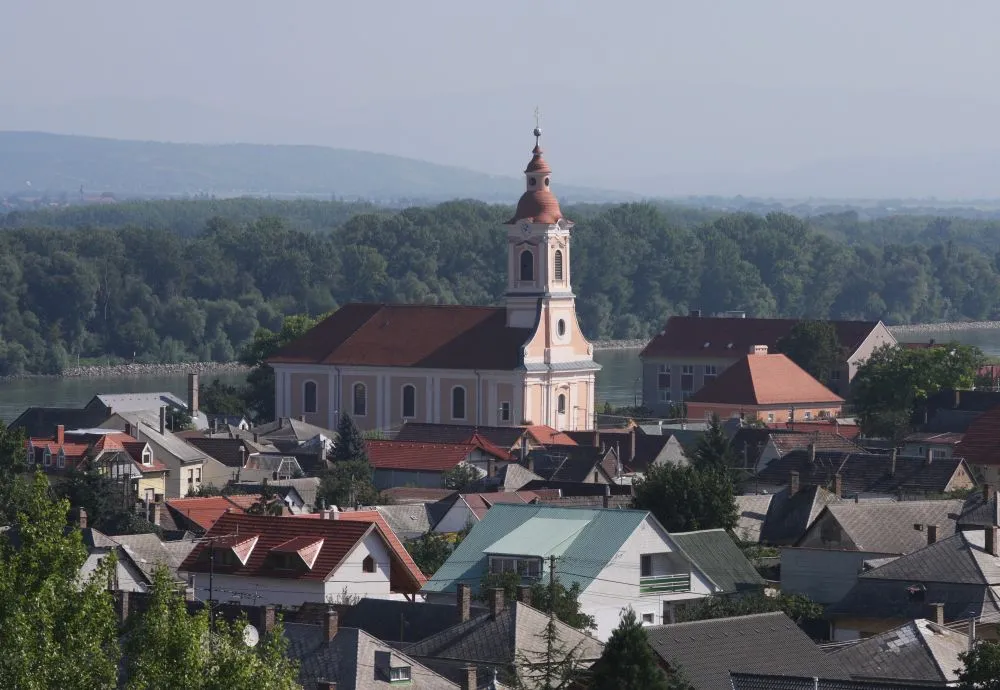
(752, 96)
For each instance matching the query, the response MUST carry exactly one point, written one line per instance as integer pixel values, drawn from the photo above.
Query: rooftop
(765, 379)
(889, 527)
(981, 443)
(718, 556)
(427, 457)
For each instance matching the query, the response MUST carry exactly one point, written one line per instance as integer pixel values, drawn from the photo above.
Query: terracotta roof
(698, 336)
(538, 206)
(206, 511)
(981, 443)
(409, 455)
(765, 380)
(411, 335)
(537, 164)
(786, 443)
(339, 539)
(396, 545)
(546, 435)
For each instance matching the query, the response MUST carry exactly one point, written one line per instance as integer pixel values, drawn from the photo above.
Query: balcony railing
(661, 584)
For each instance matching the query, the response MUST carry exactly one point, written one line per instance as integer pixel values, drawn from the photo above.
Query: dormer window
(297, 553)
(147, 456)
(61, 459)
(47, 457)
(232, 551)
(390, 667)
(399, 674)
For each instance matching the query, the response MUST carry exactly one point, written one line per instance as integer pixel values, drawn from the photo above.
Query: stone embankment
(619, 344)
(137, 370)
(945, 327)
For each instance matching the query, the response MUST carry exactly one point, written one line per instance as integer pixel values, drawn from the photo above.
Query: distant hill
(56, 163)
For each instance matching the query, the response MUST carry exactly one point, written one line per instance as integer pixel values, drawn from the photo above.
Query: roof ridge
(774, 614)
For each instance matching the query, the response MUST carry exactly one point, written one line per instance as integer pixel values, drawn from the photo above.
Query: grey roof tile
(789, 515)
(707, 651)
(889, 527)
(758, 681)
(718, 556)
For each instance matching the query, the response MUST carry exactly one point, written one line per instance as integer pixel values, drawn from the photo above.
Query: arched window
(527, 265)
(409, 401)
(368, 565)
(559, 265)
(360, 400)
(561, 404)
(309, 396)
(458, 403)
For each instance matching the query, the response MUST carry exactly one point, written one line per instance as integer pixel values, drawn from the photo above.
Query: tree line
(174, 281)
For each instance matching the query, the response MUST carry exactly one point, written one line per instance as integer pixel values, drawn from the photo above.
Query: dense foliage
(431, 549)
(628, 662)
(798, 607)
(813, 345)
(893, 380)
(980, 667)
(154, 283)
(685, 499)
(549, 596)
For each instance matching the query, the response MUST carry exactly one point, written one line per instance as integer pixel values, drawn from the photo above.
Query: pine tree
(350, 443)
(628, 663)
(714, 452)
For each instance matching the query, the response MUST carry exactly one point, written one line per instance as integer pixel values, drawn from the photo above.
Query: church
(526, 362)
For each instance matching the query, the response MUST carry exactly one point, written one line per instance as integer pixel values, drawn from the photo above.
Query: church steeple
(538, 244)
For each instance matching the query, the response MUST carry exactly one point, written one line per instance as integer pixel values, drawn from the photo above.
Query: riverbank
(620, 344)
(136, 370)
(945, 327)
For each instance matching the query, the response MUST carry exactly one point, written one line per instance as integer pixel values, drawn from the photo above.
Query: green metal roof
(583, 553)
(540, 536)
(718, 556)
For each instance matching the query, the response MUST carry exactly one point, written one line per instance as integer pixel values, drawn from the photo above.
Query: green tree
(460, 476)
(628, 663)
(347, 483)
(813, 345)
(350, 444)
(56, 631)
(431, 549)
(980, 667)
(167, 647)
(13, 493)
(549, 664)
(551, 597)
(687, 498)
(713, 451)
(109, 503)
(893, 380)
(222, 398)
(260, 380)
(798, 607)
(269, 503)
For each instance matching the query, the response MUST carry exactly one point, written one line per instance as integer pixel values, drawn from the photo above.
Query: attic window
(295, 553)
(368, 565)
(147, 457)
(399, 674)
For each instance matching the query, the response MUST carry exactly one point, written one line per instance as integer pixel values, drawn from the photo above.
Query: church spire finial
(538, 128)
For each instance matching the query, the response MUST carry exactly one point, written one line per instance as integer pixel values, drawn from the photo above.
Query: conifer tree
(714, 452)
(628, 663)
(350, 444)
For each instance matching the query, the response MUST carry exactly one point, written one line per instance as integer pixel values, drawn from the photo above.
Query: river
(618, 381)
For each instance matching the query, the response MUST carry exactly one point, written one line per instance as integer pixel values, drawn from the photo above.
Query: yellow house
(526, 362)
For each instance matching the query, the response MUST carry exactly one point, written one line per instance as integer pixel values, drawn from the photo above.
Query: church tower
(559, 390)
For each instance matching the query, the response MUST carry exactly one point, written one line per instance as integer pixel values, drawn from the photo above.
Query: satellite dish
(250, 636)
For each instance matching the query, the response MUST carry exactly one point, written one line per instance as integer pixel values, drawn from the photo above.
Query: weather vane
(538, 128)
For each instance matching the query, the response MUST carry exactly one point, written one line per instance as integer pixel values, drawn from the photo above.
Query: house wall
(879, 336)
(350, 574)
(960, 480)
(458, 517)
(617, 585)
(214, 473)
(387, 478)
(298, 382)
(156, 482)
(919, 449)
(824, 575)
(781, 413)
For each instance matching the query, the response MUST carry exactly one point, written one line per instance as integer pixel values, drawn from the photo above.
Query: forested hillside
(175, 280)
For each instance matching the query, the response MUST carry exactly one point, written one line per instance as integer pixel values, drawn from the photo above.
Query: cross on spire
(538, 128)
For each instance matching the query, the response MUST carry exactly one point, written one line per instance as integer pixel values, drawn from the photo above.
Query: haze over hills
(37, 163)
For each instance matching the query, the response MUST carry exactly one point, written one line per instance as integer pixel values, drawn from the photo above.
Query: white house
(288, 561)
(619, 558)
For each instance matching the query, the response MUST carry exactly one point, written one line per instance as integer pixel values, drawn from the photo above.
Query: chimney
(496, 602)
(989, 491)
(524, 594)
(758, 350)
(695, 313)
(156, 516)
(331, 623)
(122, 605)
(281, 422)
(193, 395)
(991, 540)
(302, 418)
(892, 469)
(812, 452)
(524, 445)
(606, 499)
(929, 457)
(838, 485)
(265, 619)
(932, 534)
(491, 467)
(60, 434)
(958, 399)
(81, 518)
(469, 681)
(938, 613)
(464, 601)
(793, 483)
(631, 440)
(531, 463)
(597, 438)
(163, 420)
(972, 632)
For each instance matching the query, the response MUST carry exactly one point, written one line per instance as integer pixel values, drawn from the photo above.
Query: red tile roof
(981, 444)
(537, 164)
(702, 336)
(548, 436)
(339, 539)
(765, 380)
(411, 455)
(538, 206)
(206, 511)
(411, 335)
(412, 572)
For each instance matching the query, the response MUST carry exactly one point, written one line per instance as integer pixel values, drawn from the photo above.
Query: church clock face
(525, 227)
